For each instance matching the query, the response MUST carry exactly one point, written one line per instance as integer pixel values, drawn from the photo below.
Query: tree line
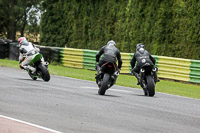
(166, 27)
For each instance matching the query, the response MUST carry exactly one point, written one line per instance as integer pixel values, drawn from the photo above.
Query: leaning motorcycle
(147, 79)
(41, 68)
(107, 78)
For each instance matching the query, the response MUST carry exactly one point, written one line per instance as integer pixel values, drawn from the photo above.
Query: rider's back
(110, 53)
(26, 47)
(143, 58)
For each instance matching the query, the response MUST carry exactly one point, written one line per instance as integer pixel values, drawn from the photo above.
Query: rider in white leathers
(26, 52)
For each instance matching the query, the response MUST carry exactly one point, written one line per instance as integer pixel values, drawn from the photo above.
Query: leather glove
(132, 72)
(118, 70)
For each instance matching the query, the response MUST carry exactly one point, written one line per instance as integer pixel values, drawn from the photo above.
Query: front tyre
(150, 85)
(33, 77)
(104, 85)
(45, 73)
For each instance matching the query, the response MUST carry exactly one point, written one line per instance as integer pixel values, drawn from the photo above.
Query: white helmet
(140, 48)
(139, 45)
(21, 39)
(111, 42)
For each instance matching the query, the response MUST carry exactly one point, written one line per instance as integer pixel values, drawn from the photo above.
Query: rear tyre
(45, 73)
(104, 85)
(150, 85)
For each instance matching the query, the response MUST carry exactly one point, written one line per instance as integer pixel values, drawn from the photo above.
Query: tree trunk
(12, 23)
(12, 30)
(24, 23)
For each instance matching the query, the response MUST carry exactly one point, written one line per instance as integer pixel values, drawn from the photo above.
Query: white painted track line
(30, 124)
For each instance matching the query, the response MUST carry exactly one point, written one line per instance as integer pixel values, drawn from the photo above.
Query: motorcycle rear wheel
(45, 72)
(104, 85)
(150, 85)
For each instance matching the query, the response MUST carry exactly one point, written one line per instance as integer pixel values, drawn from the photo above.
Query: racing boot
(155, 75)
(138, 77)
(98, 72)
(32, 69)
(156, 78)
(22, 67)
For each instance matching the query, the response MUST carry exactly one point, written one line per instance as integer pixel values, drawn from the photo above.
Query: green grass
(9, 63)
(170, 87)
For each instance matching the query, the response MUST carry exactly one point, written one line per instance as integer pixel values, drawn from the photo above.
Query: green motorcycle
(41, 68)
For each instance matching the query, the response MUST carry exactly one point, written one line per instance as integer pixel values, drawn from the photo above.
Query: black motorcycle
(107, 78)
(147, 79)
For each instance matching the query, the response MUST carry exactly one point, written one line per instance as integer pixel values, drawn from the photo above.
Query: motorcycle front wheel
(33, 77)
(104, 85)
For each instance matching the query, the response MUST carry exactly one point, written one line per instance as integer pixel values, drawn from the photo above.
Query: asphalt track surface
(73, 106)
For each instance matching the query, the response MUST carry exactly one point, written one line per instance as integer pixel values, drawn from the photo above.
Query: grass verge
(170, 87)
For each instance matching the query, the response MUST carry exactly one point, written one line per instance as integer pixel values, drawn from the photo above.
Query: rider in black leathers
(110, 53)
(142, 56)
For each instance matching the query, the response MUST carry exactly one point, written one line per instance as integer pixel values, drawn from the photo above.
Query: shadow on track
(142, 95)
(29, 80)
(106, 95)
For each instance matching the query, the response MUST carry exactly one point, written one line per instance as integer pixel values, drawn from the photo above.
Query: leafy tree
(14, 16)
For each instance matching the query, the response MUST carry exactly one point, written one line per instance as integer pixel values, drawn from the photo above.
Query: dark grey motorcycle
(107, 78)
